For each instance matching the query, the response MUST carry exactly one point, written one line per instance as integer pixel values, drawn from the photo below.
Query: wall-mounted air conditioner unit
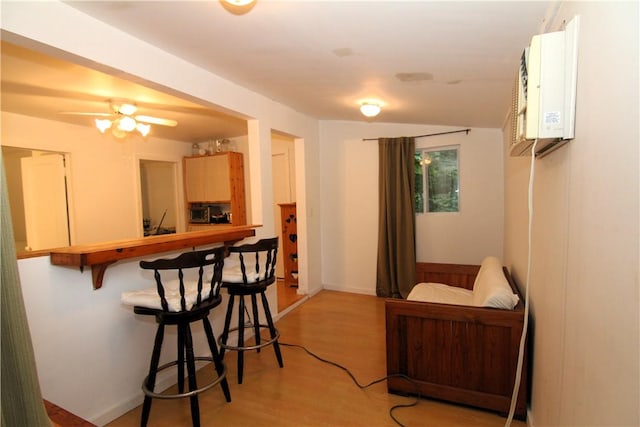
(544, 99)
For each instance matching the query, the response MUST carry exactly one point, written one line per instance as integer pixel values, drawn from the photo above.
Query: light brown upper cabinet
(216, 181)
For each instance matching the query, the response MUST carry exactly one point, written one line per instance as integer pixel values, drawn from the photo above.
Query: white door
(281, 194)
(45, 202)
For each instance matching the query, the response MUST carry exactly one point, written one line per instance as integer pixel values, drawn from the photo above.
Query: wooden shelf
(289, 243)
(100, 256)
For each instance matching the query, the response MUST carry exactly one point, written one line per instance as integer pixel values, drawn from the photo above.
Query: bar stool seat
(190, 290)
(250, 275)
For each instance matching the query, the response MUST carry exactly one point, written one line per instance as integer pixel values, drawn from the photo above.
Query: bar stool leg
(181, 349)
(272, 328)
(153, 369)
(191, 372)
(227, 324)
(240, 338)
(256, 320)
(217, 361)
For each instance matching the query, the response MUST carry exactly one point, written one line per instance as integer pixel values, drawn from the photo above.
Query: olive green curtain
(396, 271)
(21, 399)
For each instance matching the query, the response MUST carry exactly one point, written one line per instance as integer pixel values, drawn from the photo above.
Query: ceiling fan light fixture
(157, 121)
(124, 108)
(118, 133)
(122, 120)
(126, 123)
(143, 129)
(370, 109)
(103, 125)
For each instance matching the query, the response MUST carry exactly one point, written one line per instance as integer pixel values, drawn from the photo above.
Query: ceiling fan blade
(156, 121)
(79, 113)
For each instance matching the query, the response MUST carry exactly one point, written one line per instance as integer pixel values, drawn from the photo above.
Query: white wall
(61, 307)
(476, 231)
(350, 202)
(584, 282)
(91, 351)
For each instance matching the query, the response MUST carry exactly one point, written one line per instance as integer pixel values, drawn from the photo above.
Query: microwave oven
(199, 214)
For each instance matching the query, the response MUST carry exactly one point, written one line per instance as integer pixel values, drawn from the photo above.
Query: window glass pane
(437, 183)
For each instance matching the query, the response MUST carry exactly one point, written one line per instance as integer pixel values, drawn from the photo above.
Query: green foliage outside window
(419, 178)
(436, 175)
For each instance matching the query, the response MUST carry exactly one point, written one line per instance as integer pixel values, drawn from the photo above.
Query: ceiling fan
(122, 120)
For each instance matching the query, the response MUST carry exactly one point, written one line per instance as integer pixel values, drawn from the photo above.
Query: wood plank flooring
(287, 295)
(60, 417)
(345, 328)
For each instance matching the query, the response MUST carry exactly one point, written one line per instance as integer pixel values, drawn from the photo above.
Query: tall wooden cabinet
(215, 181)
(289, 220)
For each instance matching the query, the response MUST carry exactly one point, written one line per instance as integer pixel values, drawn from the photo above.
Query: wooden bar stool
(250, 275)
(180, 301)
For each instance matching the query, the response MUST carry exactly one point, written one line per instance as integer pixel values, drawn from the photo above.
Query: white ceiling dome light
(370, 108)
(239, 2)
(238, 7)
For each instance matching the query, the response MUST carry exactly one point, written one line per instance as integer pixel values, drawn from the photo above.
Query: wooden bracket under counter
(100, 256)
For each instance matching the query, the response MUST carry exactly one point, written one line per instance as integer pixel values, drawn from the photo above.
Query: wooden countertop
(100, 255)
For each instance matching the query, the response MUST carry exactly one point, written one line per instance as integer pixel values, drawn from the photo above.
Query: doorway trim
(179, 193)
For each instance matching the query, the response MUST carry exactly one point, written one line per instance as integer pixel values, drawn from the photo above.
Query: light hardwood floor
(345, 328)
(287, 295)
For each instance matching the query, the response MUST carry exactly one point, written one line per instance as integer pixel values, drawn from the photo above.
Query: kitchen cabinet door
(216, 181)
(207, 179)
(195, 170)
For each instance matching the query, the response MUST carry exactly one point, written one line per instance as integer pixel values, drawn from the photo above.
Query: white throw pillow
(491, 288)
(502, 298)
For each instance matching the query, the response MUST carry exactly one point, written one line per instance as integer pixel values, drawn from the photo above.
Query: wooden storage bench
(461, 354)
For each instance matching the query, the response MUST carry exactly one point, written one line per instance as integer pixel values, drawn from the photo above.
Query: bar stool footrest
(190, 393)
(250, 347)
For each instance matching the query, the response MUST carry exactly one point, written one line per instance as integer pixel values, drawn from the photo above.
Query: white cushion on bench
(440, 293)
(490, 289)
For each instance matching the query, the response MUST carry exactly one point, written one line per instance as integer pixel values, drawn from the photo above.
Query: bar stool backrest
(257, 263)
(208, 278)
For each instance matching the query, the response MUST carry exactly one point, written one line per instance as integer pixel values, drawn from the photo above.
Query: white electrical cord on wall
(516, 386)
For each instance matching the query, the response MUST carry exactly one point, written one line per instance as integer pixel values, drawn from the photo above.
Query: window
(436, 174)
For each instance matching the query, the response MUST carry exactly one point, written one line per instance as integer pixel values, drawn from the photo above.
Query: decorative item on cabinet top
(213, 146)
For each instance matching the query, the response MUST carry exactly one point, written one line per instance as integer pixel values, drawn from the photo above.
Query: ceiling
(440, 63)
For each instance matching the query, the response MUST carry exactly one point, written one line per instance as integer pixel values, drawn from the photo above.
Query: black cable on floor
(353, 378)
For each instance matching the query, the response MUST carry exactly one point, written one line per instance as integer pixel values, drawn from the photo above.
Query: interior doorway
(284, 197)
(159, 194)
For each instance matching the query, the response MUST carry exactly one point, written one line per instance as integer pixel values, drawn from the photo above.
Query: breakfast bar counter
(100, 255)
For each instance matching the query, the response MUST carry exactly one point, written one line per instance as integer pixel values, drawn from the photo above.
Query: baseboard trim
(350, 290)
(164, 381)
